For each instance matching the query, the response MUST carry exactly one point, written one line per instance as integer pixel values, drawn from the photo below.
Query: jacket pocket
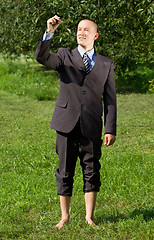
(61, 103)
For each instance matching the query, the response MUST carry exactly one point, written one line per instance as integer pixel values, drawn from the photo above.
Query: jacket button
(83, 92)
(82, 106)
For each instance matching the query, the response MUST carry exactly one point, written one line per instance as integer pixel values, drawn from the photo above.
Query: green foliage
(125, 29)
(135, 81)
(29, 205)
(151, 86)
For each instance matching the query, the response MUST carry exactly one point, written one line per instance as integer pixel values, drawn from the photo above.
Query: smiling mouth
(82, 38)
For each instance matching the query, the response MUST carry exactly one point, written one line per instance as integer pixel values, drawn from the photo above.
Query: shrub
(151, 86)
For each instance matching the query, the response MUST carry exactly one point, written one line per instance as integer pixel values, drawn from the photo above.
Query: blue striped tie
(86, 63)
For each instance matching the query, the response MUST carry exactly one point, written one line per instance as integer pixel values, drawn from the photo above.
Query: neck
(86, 48)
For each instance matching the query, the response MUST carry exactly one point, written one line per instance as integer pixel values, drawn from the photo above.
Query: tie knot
(85, 55)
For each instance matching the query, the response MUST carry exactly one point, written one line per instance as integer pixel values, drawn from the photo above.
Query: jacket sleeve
(51, 60)
(110, 106)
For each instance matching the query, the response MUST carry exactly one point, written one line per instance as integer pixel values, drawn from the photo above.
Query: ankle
(65, 216)
(89, 218)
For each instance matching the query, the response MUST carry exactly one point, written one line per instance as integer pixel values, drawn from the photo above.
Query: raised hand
(53, 23)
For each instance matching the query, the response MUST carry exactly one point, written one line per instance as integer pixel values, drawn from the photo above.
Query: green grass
(29, 205)
(28, 78)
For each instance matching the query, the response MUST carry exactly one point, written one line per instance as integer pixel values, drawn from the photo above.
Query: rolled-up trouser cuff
(91, 188)
(64, 185)
(92, 184)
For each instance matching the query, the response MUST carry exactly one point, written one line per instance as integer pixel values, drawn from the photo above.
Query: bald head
(95, 26)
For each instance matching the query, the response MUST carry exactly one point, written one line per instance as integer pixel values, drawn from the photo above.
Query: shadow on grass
(147, 214)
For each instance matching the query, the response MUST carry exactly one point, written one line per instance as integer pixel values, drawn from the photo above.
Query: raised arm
(51, 60)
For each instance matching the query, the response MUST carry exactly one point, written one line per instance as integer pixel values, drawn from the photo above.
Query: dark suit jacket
(81, 95)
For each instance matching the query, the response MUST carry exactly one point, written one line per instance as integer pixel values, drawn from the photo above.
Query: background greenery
(27, 77)
(29, 205)
(125, 29)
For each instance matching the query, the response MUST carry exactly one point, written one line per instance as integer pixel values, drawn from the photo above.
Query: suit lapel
(78, 59)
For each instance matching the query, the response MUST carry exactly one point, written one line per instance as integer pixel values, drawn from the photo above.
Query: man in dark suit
(87, 87)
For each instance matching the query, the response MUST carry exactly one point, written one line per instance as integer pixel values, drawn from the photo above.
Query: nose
(82, 32)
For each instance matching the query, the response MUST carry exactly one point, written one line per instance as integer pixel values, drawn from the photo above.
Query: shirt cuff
(47, 36)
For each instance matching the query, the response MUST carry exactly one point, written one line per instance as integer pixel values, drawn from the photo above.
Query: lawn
(29, 205)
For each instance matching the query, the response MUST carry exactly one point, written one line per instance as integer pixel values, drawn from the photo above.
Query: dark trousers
(70, 146)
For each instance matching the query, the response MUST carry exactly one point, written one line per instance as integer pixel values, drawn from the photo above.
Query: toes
(61, 224)
(92, 224)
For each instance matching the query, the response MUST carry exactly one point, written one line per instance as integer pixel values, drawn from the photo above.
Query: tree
(125, 28)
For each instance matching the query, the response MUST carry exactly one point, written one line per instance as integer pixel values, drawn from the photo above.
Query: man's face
(86, 34)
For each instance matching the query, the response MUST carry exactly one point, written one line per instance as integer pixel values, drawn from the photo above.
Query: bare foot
(62, 223)
(91, 223)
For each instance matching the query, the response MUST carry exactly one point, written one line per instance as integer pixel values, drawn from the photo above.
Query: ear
(96, 36)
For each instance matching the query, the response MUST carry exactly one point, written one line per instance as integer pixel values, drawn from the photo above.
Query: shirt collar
(90, 53)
